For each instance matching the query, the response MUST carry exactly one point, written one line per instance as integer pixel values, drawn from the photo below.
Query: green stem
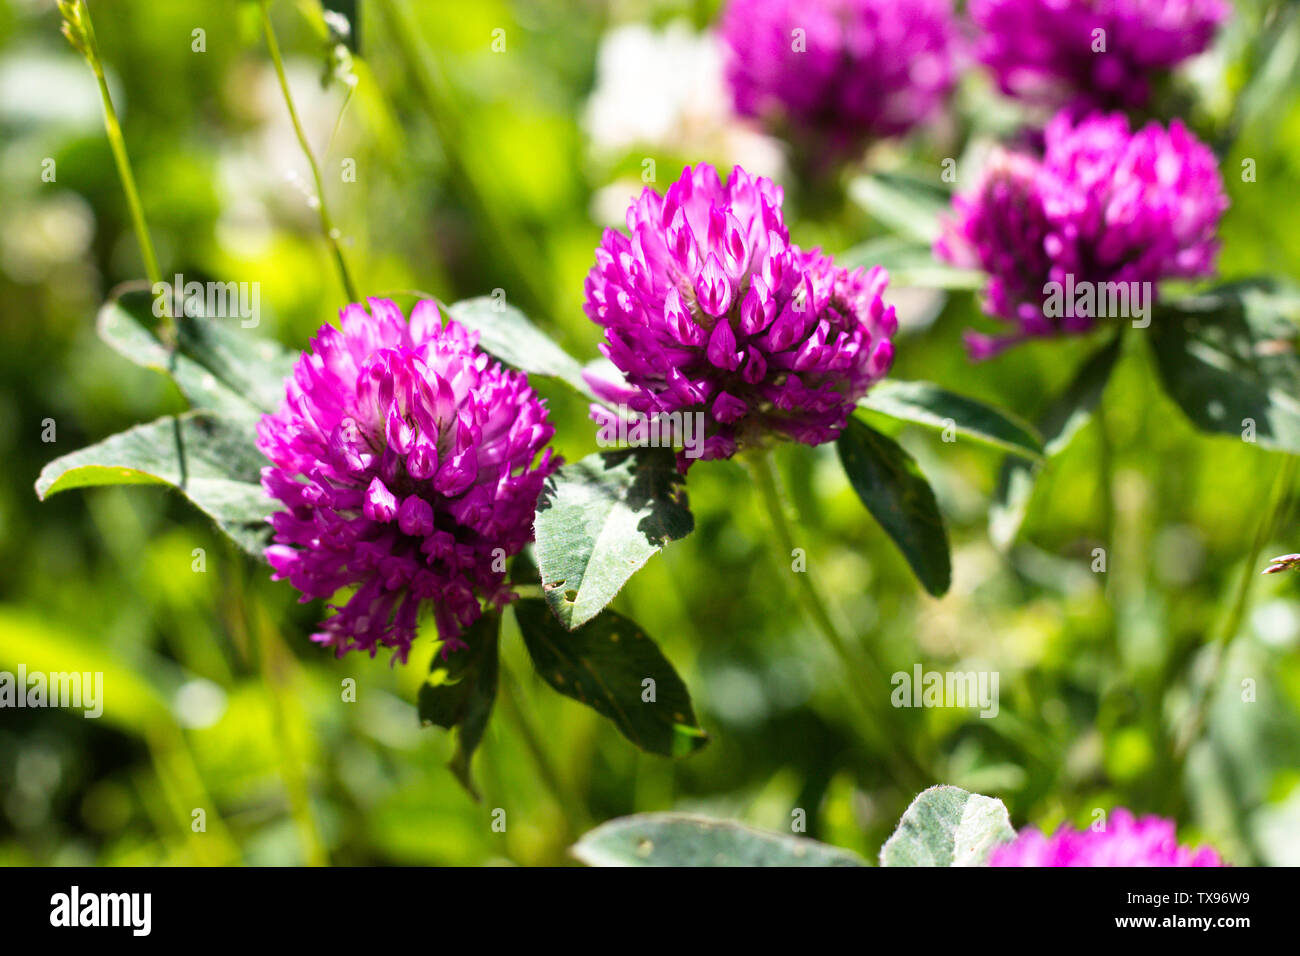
(1105, 463)
(1106, 490)
(326, 224)
(1274, 24)
(571, 805)
(854, 657)
(432, 89)
(271, 663)
(89, 48)
(183, 791)
(1263, 532)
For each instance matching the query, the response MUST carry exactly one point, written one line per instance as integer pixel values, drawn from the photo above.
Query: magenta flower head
(1089, 54)
(1087, 230)
(832, 75)
(1150, 841)
(407, 463)
(709, 310)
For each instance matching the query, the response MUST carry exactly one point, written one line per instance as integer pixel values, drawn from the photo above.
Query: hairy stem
(571, 805)
(431, 88)
(81, 33)
(326, 224)
(273, 663)
(1106, 491)
(854, 657)
(1268, 522)
(183, 791)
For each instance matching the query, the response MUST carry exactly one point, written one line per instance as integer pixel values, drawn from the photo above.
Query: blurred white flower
(42, 235)
(199, 703)
(664, 90)
(1276, 622)
(53, 90)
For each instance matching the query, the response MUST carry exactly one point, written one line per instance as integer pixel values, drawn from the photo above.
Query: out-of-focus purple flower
(709, 309)
(407, 463)
(1149, 841)
(1089, 53)
(1002, 228)
(831, 75)
(1102, 206)
(1283, 562)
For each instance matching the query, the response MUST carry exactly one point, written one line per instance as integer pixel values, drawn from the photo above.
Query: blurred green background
(479, 169)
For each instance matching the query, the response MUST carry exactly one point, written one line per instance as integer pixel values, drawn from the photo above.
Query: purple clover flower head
(834, 74)
(1126, 841)
(709, 309)
(1051, 52)
(1002, 228)
(1102, 205)
(407, 463)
